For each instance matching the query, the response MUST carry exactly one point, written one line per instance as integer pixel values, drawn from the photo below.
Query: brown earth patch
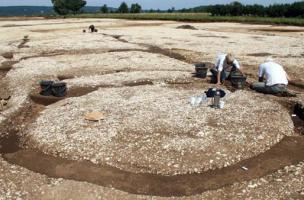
(288, 152)
(260, 54)
(8, 55)
(168, 53)
(65, 77)
(7, 65)
(14, 25)
(284, 30)
(23, 43)
(45, 100)
(72, 92)
(211, 36)
(187, 27)
(138, 82)
(257, 38)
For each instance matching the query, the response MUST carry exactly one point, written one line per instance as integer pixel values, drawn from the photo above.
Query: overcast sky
(146, 4)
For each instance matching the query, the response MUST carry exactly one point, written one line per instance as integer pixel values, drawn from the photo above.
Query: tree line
(123, 8)
(64, 7)
(296, 9)
(276, 10)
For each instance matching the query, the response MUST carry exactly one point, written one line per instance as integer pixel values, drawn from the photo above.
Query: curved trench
(287, 152)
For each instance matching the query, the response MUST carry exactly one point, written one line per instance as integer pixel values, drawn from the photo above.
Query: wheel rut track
(287, 152)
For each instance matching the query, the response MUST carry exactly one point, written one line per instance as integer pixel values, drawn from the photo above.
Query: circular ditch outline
(287, 152)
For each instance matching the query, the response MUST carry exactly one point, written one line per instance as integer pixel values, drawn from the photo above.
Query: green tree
(74, 5)
(59, 7)
(135, 8)
(296, 10)
(123, 8)
(235, 8)
(63, 7)
(104, 9)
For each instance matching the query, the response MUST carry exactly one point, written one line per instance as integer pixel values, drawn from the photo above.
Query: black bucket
(201, 70)
(238, 81)
(59, 89)
(299, 110)
(46, 88)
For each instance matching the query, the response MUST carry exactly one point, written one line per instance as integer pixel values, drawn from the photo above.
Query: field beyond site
(198, 17)
(150, 143)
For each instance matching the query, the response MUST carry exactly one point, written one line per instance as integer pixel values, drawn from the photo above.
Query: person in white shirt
(224, 65)
(276, 78)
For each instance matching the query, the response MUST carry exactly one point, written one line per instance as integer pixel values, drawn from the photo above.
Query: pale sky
(146, 4)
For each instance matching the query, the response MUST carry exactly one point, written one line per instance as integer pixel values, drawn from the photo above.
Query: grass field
(197, 17)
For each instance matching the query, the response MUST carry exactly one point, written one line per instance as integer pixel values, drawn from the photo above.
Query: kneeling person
(276, 78)
(224, 66)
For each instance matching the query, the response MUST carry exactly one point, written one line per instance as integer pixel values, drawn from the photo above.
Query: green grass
(196, 17)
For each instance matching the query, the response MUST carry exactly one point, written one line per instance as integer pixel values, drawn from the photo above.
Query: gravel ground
(25, 75)
(143, 122)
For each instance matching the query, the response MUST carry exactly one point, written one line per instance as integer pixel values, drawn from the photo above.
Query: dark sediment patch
(257, 38)
(65, 77)
(195, 83)
(211, 36)
(125, 50)
(287, 152)
(296, 85)
(8, 55)
(45, 100)
(138, 82)
(289, 104)
(187, 27)
(260, 54)
(283, 30)
(117, 37)
(168, 53)
(178, 81)
(14, 25)
(12, 127)
(7, 65)
(10, 143)
(72, 92)
(153, 49)
(23, 43)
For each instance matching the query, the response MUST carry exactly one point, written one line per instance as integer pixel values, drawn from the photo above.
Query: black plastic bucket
(201, 70)
(46, 87)
(238, 81)
(299, 110)
(59, 89)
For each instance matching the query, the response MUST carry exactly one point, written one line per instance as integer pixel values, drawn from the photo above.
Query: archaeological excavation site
(125, 113)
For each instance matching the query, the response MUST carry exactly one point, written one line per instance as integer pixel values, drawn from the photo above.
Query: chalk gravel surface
(145, 121)
(155, 129)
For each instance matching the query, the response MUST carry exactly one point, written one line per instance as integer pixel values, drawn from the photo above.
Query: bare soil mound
(189, 27)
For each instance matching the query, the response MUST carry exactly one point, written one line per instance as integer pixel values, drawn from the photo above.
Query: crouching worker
(225, 65)
(276, 78)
